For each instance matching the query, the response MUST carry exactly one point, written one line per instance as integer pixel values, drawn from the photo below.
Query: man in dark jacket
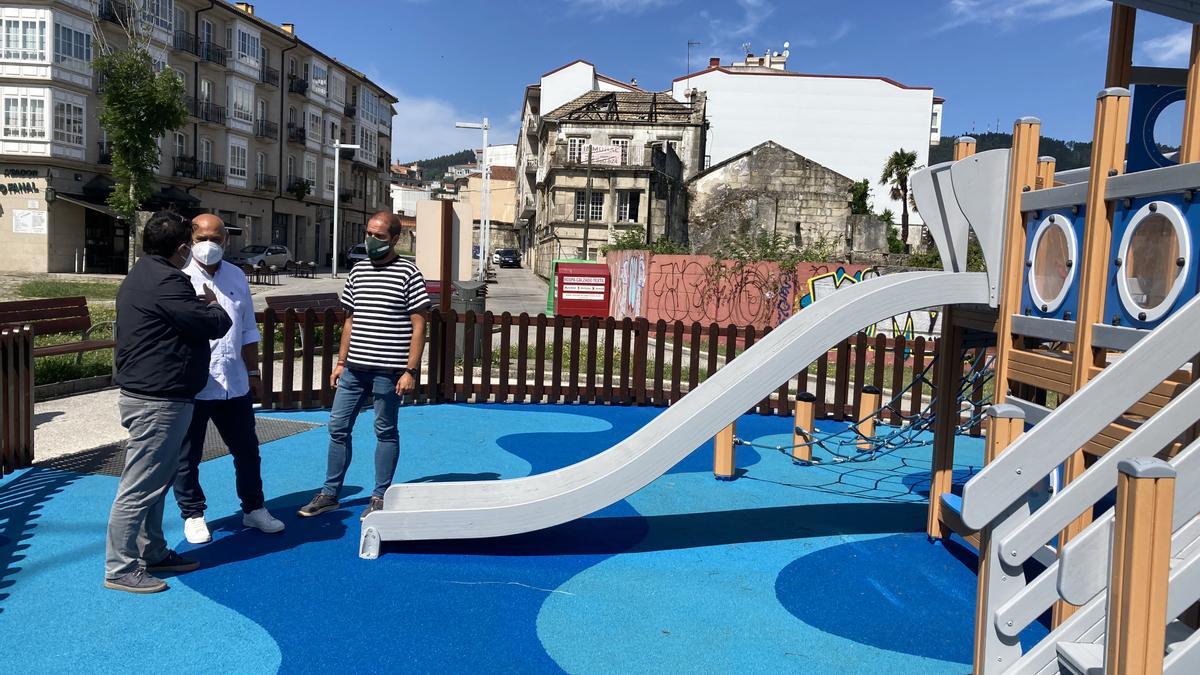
(162, 335)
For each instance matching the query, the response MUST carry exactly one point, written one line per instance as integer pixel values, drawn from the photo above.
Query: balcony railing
(297, 85)
(346, 154)
(351, 109)
(296, 134)
(294, 184)
(210, 171)
(346, 194)
(381, 164)
(531, 165)
(562, 157)
(185, 167)
(187, 42)
(265, 182)
(115, 11)
(98, 80)
(266, 129)
(214, 53)
(531, 124)
(269, 75)
(210, 112)
(105, 152)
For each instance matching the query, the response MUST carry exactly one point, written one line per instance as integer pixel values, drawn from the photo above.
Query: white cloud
(1171, 49)
(618, 6)
(1008, 13)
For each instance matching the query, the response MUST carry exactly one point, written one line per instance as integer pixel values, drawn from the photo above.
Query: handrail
(1152, 436)
(1182, 592)
(1105, 398)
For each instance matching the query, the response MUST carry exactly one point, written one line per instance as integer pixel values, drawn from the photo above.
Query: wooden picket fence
(16, 398)
(573, 360)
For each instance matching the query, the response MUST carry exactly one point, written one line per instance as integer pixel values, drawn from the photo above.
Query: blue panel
(1114, 309)
(1149, 100)
(952, 501)
(1067, 309)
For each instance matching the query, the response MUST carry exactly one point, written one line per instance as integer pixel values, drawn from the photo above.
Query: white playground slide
(464, 510)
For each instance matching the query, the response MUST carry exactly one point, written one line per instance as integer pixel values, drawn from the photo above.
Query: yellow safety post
(723, 452)
(804, 427)
(868, 405)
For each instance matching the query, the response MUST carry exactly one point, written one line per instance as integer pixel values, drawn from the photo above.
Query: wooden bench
(315, 301)
(54, 317)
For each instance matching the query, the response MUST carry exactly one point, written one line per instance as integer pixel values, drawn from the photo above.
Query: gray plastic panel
(1034, 413)
(933, 193)
(1150, 182)
(1044, 328)
(1118, 338)
(1072, 194)
(981, 188)
(462, 510)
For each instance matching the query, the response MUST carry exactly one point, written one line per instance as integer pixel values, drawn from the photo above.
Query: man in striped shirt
(380, 354)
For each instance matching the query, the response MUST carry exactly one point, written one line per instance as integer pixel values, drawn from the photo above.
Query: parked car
(508, 257)
(258, 255)
(357, 252)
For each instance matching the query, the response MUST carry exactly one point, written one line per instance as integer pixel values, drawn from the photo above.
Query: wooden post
(1189, 148)
(964, 147)
(948, 379)
(996, 583)
(804, 428)
(1108, 159)
(868, 405)
(1141, 556)
(1120, 46)
(1045, 173)
(447, 256)
(723, 453)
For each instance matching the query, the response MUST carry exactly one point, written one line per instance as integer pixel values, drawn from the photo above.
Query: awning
(80, 200)
(182, 198)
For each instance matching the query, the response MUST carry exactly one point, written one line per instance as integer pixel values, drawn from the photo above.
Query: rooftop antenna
(746, 48)
(691, 43)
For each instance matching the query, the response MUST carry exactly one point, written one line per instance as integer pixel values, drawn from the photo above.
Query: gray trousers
(156, 431)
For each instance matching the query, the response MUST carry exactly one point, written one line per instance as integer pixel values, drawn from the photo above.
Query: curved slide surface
(464, 510)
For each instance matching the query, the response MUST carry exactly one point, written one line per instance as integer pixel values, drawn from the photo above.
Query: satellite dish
(787, 46)
(785, 53)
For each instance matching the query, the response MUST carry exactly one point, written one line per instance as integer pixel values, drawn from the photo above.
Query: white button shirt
(226, 370)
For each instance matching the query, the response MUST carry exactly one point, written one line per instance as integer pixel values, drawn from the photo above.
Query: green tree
(860, 195)
(138, 106)
(896, 171)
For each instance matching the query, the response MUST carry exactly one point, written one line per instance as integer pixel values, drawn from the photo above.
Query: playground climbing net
(852, 444)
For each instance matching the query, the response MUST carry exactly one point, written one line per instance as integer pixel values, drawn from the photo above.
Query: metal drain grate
(109, 460)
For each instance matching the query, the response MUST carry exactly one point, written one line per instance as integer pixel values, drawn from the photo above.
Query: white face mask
(207, 252)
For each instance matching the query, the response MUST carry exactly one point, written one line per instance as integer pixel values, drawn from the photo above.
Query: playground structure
(1090, 292)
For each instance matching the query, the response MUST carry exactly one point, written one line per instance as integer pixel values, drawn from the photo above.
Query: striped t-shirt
(382, 300)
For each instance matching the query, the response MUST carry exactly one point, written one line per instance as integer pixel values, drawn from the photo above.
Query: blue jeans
(353, 388)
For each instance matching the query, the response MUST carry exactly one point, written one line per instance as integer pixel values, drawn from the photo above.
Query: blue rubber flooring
(815, 569)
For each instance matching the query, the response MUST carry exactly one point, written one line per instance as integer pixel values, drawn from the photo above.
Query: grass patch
(56, 288)
(53, 369)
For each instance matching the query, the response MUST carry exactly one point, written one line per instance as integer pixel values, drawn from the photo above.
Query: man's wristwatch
(411, 371)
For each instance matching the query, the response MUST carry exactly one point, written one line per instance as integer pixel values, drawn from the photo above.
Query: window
(160, 13)
(627, 206)
(291, 166)
(68, 123)
(291, 116)
(249, 49)
(328, 177)
(370, 193)
(237, 159)
(337, 89)
(206, 90)
(310, 170)
(320, 79)
(623, 144)
(597, 206)
(291, 66)
(206, 31)
(24, 117)
(261, 111)
(206, 150)
(181, 19)
(580, 205)
(72, 46)
(180, 144)
(575, 146)
(25, 39)
(315, 126)
(581, 210)
(241, 101)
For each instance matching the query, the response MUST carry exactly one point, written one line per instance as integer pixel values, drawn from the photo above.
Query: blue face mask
(377, 249)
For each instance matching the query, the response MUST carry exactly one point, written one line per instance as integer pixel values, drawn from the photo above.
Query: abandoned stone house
(771, 188)
(608, 162)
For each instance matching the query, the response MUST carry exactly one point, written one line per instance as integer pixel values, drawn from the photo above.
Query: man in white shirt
(227, 399)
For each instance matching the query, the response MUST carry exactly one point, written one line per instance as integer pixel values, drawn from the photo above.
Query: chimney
(633, 81)
(714, 62)
(289, 28)
(246, 7)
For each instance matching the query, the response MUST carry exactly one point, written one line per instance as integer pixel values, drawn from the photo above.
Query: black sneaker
(319, 504)
(375, 504)
(137, 581)
(173, 562)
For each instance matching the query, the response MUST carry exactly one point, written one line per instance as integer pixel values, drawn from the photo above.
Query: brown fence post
(308, 345)
(522, 358)
(468, 387)
(287, 396)
(804, 427)
(433, 376)
(268, 359)
(505, 357)
(868, 405)
(641, 339)
(723, 452)
(449, 353)
(1141, 558)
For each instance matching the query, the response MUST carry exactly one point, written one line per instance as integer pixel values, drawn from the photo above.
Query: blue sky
(992, 60)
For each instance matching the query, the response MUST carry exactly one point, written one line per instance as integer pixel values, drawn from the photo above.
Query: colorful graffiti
(628, 271)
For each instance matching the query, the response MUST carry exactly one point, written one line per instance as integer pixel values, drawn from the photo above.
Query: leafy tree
(138, 106)
(896, 171)
(634, 239)
(860, 195)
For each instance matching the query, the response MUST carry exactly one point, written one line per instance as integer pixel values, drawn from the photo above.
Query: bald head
(384, 221)
(208, 227)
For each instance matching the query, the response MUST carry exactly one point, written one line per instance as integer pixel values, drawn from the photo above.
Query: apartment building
(265, 108)
(598, 157)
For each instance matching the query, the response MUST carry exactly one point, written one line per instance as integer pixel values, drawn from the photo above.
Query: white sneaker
(195, 530)
(261, 519)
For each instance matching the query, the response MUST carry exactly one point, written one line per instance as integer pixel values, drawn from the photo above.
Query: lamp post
(337, 193)
(485, 207)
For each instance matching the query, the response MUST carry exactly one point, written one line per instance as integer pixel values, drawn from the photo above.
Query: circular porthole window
(1154, 260)
(1051, 262)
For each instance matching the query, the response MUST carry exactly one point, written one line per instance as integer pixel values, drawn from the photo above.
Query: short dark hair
(392, 220)
(165, 232)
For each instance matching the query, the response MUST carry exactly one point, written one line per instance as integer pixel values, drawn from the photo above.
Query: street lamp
(485, 208)
(337, 192)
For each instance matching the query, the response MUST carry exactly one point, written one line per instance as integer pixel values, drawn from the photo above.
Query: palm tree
(895, 174)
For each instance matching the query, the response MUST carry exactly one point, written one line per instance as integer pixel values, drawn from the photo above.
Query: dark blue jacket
(162, 332)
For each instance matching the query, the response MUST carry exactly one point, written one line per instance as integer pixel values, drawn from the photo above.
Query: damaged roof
(628, 106)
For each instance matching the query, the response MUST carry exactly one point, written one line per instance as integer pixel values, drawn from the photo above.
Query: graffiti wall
(693, 288)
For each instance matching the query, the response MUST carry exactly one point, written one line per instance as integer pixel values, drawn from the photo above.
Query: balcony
(266, 129)
(531, 125)
(296, 185)
(214, 53)
(209, 112)
(633, 157)
(346, 154)
(265, 182)
(296, 134)
(269, 75)
(209, 171)
(531, 165)
(381, 164)
(297, 85)
(115, 11)
(105, 153)
(185, 167)
(346, 194)
(98, 79)
(351, 110)
(527, 207)
(187, 42)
